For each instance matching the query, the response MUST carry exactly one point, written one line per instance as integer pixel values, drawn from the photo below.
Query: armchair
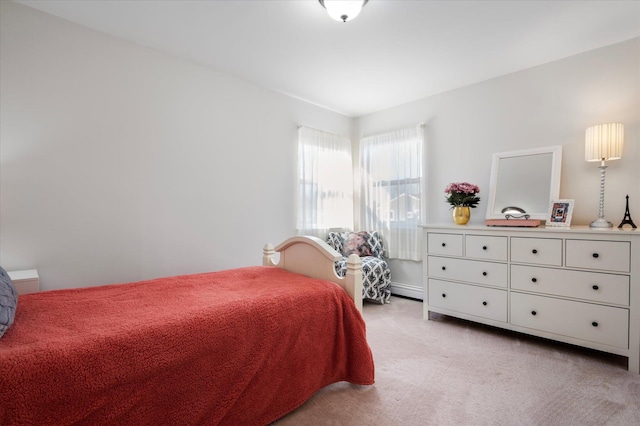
(376, 275)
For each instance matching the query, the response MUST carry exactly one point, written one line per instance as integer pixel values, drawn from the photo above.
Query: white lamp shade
(604, 142)
(343, 10)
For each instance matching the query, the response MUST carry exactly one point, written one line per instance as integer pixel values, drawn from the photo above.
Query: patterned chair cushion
(336, 241)
(376, 275)
(375, 243)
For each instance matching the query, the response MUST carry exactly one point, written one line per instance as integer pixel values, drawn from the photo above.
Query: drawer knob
(444, 244)
(534, 313)
(444, 268)
(484, 247)
(484, 273)
(595, 324)
(534, 251)
(444, 295)
(595, 255)
(534, 280)
(484, 303)
(595, 287)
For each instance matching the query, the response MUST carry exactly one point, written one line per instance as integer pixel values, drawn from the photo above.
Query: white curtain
(392, 187)
(325, 172)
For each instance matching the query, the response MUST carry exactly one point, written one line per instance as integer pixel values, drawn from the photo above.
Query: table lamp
(603, 142)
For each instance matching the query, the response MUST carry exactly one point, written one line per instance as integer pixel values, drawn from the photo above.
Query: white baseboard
(406, 290)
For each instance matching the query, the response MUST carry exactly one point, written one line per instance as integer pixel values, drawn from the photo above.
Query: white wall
(121, 163)
(552, 104)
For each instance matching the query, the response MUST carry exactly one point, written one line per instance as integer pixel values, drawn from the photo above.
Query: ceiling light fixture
(343, 10)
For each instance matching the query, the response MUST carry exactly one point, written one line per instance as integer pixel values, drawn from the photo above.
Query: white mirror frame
(554, 188)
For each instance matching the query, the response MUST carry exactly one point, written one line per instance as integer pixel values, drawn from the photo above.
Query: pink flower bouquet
(462, 194)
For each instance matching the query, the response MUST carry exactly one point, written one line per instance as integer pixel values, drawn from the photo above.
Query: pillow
(8, 301)
(356, 242)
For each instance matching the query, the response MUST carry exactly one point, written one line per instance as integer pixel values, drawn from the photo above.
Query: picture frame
(560, 212)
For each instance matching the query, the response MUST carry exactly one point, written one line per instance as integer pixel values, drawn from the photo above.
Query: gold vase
(461, 215)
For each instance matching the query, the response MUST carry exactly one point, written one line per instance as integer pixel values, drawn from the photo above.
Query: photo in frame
(560, 212)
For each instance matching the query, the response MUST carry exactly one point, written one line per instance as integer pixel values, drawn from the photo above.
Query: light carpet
(453, 372)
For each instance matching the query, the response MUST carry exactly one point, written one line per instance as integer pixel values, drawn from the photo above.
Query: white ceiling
(395, 52)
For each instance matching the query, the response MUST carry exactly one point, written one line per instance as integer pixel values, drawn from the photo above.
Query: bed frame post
(267, 255)
(354, 280)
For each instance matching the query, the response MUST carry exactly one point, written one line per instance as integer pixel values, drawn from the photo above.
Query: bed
(243, 346)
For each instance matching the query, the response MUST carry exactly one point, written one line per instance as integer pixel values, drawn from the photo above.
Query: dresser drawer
(472, 271)
(484, 247)
(539, 251)
(483, 302)
(593, 286)
(444, 244)
(594, 323)
(600, 255)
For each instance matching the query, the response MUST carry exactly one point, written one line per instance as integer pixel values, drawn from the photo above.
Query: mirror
(526, 180)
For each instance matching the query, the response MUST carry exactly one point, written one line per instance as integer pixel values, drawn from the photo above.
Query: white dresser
(575, 285)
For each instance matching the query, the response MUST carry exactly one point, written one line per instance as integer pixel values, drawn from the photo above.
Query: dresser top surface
(540, 229)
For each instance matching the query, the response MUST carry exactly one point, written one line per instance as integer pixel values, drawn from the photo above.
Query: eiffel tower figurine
(627, 217)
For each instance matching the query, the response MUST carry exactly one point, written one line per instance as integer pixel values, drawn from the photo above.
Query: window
(325, 172)
(392, 189)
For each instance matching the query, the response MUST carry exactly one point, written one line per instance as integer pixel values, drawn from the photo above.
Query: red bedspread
(244, 346)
